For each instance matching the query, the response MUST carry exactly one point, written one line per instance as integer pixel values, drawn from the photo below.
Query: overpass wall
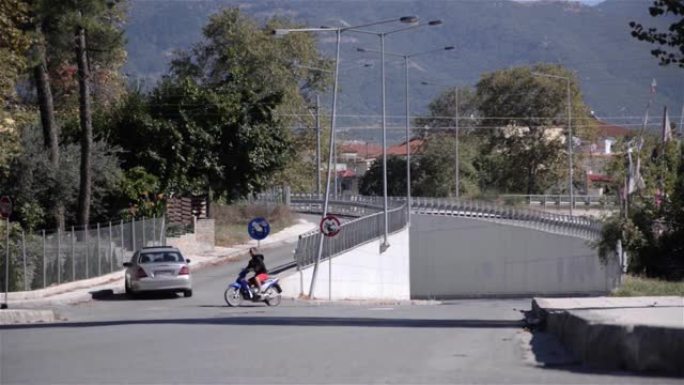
(454, 257)
(360, 273)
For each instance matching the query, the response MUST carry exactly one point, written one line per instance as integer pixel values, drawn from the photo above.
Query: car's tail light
(184, 271)
(140, 273)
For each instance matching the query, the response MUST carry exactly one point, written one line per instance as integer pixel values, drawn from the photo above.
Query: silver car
(158, 268)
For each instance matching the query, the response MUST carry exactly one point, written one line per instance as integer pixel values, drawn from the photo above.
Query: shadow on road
(109, 295)
(292, 321)
(551, 354)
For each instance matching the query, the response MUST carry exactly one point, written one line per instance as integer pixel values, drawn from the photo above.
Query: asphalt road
(198, 340)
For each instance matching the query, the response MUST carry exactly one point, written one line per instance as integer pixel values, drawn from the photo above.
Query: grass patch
(638, 286)
(231, 220)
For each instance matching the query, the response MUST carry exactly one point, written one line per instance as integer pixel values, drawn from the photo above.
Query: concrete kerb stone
(23, 316)
(605, 345)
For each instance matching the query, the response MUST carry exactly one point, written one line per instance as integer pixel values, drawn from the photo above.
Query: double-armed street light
(338, 32)
(408, 121)
(414, 21)
(570, 139)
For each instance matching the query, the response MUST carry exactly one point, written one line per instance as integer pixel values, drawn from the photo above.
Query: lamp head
(409, 19)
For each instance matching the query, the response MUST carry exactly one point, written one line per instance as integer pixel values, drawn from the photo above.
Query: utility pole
(457, 162)
(681, 122)
(318, 147)
(570, 155)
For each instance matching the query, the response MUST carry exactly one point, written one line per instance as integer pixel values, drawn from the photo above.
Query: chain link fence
(43, 259)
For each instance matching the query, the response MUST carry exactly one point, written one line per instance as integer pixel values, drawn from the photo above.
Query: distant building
(598, 155)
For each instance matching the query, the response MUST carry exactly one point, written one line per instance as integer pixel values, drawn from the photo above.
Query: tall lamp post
(570, 145)
(409, 20)
(338, 33)
(408, 120)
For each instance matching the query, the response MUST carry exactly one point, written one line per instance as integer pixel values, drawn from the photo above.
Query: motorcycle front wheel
(272, 297)
(233, 296)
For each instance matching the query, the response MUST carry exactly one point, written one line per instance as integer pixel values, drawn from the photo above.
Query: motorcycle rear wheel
(273, 298)
(233, 297)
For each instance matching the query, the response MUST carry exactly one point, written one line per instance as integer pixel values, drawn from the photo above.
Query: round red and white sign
(330, 225)
(5, 206)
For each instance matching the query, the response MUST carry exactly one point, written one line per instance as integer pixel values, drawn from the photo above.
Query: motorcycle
(241, 290)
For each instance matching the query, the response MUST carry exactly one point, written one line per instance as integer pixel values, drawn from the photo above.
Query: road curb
(641, 348)
(25, 316)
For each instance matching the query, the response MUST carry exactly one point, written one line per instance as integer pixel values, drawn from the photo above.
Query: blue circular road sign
(258, 228)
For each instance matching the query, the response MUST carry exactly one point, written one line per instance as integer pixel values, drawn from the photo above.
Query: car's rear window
(160, 257)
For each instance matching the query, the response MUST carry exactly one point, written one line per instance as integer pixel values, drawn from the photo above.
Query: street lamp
(410, 20)
(570, 156)
(338, 32)
(408, 122)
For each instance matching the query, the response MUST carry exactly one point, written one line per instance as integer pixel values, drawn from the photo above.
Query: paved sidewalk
(25, 304)
(634, 333)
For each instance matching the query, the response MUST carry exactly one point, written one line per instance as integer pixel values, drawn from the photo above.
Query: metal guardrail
(556, 201)
(576, 226)
(350, 206)
(369, 225)
(351, 235)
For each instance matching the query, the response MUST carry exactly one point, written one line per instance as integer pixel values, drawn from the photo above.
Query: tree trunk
(47, 119)
(86, 128)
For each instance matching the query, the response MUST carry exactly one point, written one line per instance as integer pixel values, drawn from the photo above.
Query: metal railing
(39, 260)
(350, 206)
(596, 202)
(369, 225)
(352, 234)
(576, 226)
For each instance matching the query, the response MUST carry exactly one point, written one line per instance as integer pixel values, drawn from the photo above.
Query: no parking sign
(330, 226)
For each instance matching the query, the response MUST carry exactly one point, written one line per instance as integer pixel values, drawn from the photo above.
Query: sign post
(330, 227)
(5, 212)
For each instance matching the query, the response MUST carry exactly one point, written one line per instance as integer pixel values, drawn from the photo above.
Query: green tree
(669, 42)
(651, 230)
(31, 182)
(371, 182)
(221, 120)
(521, 119)
(442, 112)
(14, 41)
(436, 173)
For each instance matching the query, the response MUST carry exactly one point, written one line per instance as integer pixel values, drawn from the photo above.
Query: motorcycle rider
(257, 265)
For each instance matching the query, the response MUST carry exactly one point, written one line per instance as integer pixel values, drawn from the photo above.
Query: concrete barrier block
(24, 316)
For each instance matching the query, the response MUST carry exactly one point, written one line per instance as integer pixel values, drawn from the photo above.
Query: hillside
(615, 69)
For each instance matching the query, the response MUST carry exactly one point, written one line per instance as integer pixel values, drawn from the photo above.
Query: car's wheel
(187, 293)
(128, 290)
(272, 297)
(232, 296)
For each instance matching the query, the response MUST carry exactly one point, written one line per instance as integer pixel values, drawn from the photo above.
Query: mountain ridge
(615, 70)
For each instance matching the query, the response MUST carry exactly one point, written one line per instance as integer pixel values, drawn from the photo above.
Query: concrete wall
(455, 257)
(361, 273)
